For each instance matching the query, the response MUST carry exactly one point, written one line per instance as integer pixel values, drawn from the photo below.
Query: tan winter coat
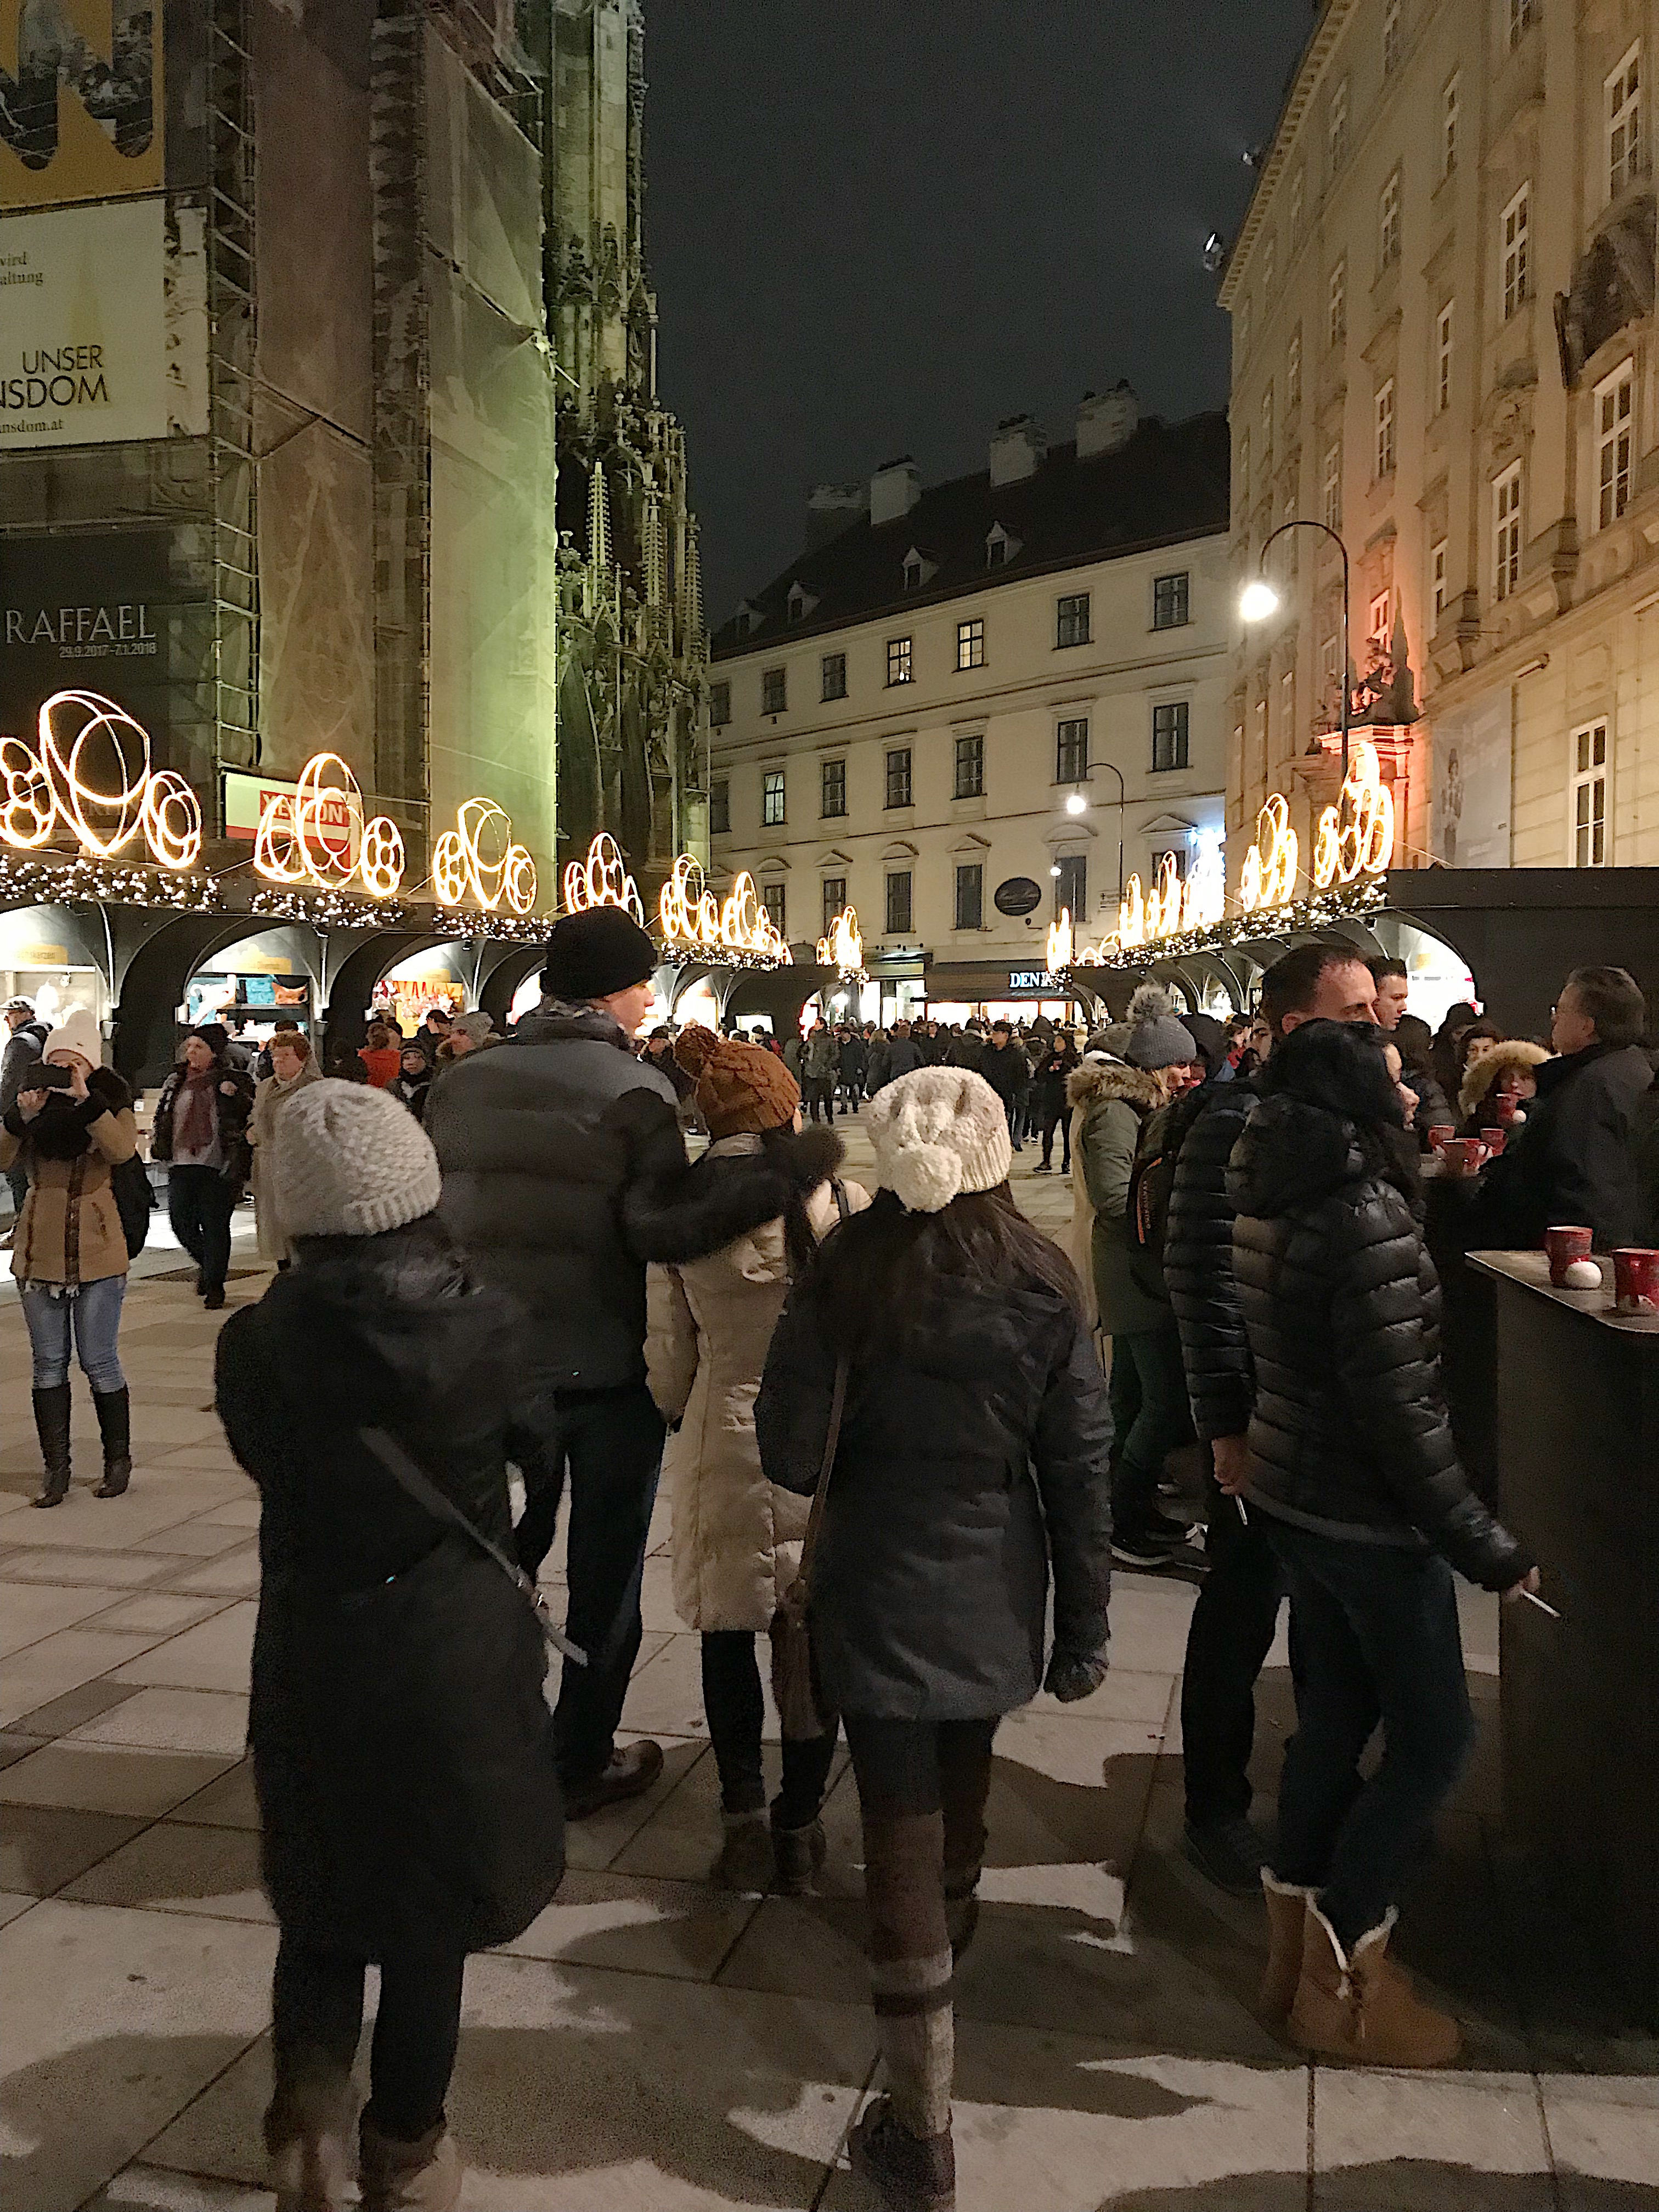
(736, 1537)
(69, 1231)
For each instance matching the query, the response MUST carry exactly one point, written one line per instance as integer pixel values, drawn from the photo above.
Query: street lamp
(1259, 600)
(1077, 804)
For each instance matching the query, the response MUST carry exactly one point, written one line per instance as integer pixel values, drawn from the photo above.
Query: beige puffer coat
(736, 1537)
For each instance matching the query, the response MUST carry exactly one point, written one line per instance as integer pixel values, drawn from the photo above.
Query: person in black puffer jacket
(1354, 1470)
(404, 1754)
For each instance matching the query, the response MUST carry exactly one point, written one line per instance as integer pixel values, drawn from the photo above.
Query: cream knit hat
(77, 1033)
(938, 1132)
(350, 1161)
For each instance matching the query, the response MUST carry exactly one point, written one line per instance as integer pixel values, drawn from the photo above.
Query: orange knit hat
(741, 1089)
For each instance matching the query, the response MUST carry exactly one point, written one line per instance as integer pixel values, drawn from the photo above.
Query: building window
(912, 572)
(1523, 14)
(1514, 226)
(1242, 326)
(772, 799)
(1448, 128)
(1169, 736)
(969, 779)
(1387, 222)
(1506, 531)
(1392, 41)
(835, 900)
(1072, 751)
(898, 903)
(1442, 358)
(720, 807)
(1336, 306)
(1171, 600)
(772, 899)
(1259, 716)
(898, 776)
(834, 670)
(1072, 619)
(1243, 471)
(1071, 886)
(1385, 429)
(1336, 125)
(1613, 445)
(970, 895)
(1439, 591)
(1377, 628)
(1590, 797)
(971, 644)
(1624, 115)
(1267, 424)
(996, 548)
(1287, 712)
(1330, 683)
(1296, 207)
(1269, 268)
(898, 660)
(1293, 371)
(1334, 485)
(720, 704)
(773, 691)
(832, 792)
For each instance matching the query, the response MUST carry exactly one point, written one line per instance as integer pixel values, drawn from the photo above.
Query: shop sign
(246, 798)
(1037, 979)
(82, 117)
(1017, 895)
(83, 344)
(85, 613)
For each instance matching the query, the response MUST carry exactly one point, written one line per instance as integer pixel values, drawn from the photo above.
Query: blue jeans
(1378, 1641)
(95, 1315)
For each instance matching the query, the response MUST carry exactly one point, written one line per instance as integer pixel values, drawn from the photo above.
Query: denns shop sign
(1037, 979)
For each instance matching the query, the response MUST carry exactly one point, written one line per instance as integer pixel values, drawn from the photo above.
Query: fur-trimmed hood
(1483, 1069)
(1097, 1080)
(739, 1184)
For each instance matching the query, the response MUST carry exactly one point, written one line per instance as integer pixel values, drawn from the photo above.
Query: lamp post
(1260, 599)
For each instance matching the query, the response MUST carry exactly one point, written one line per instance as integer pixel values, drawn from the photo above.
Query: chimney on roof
(1106, 421)
(894, 490)
(1017, 449)
(831, 508)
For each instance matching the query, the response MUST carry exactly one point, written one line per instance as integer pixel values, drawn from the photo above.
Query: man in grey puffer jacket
(556, 1148)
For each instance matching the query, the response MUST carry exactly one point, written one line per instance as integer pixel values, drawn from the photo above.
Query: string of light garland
(49, 882)
(92, 778)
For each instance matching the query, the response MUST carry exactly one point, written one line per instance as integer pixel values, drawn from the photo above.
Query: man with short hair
(556, 1147)
(903, 1053)
(1434, 1109)
(26, 1040)
(1575, 1160)
(434, 1028)
(820, 1065)
(1006, 1069)
(1233, 1620)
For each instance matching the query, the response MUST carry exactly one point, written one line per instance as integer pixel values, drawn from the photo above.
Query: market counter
(1577, 1389)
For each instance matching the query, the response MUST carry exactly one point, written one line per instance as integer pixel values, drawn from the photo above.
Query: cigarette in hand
(1538, 1602)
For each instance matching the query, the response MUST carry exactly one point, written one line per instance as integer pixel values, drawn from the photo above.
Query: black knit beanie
(594, 953)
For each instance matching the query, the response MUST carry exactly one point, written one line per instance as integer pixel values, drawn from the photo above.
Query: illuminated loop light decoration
(479, 857)
(1268, 877)
(92, 775)
(746, 926)
(687, 911)
(601, 880)
(1355, 837)
(317, 836)
(843, 947)
(1062, 944)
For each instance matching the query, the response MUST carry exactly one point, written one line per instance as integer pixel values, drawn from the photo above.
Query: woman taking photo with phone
(71, 1125)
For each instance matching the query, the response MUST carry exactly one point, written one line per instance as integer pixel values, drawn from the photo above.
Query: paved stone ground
(651, 2042)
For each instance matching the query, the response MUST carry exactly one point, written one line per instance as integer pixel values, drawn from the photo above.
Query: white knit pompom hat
(938, 1132)
(350, 1161)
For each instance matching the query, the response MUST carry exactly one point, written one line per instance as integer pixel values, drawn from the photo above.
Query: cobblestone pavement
(652, 2042)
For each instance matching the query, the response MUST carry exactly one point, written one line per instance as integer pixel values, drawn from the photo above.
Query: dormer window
(801, 602)
(746, 619)
(999, 547)
(918, 569)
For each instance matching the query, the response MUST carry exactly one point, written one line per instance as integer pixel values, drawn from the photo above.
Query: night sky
(876, 226)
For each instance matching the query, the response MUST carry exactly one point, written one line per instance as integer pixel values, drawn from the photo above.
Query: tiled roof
(1169, 482)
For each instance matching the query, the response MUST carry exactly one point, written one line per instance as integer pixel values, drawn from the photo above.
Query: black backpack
(130, 1180)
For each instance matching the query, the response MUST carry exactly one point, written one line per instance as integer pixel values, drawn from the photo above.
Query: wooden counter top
(1531, 1271)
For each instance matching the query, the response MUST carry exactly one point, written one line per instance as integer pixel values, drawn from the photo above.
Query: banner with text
(83, 351)
(89, 612)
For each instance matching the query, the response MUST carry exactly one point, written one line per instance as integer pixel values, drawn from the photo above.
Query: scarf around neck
(194, 1124)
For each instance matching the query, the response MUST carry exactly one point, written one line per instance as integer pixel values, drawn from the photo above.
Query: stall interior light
(690, 915)
(1258, 600)
(92, 777)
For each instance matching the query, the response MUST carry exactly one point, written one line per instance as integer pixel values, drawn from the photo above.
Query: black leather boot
(113, 1408)
(52, 1425)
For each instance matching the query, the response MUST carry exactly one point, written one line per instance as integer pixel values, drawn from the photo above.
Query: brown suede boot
(1363, 2007)
(308, 2130)
(1287, 1910)
(410, 2177)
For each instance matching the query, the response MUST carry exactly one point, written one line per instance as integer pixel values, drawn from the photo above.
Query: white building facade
(974, 705)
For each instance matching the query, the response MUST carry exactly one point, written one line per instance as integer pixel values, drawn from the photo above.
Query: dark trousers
(1057, 1116)
(1227, 1640)
(819, 1091)
(1378, 1641)
(1162, 1418)
(611, 1441)
(200, 1202)
(317, 2017)
(736, 1709)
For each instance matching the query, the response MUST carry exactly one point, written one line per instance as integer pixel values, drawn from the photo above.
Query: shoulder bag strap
(838, 1191)
(415, 1483)
(832, 1439)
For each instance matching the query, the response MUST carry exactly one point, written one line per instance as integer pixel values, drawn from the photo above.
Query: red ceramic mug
(1464, 1154)
(1563, 1246)
(1440, 1136)
(1504, 1104)
(1636, 1281)
(1494, 1140)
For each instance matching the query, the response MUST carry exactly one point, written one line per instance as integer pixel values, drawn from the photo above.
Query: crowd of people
(890, 1441)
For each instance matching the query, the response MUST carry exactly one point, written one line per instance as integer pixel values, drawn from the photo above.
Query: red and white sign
(247, 798)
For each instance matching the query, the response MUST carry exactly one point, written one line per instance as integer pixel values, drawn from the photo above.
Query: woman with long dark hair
(1356, 1482)
(945, 1335)
(746, 1220)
